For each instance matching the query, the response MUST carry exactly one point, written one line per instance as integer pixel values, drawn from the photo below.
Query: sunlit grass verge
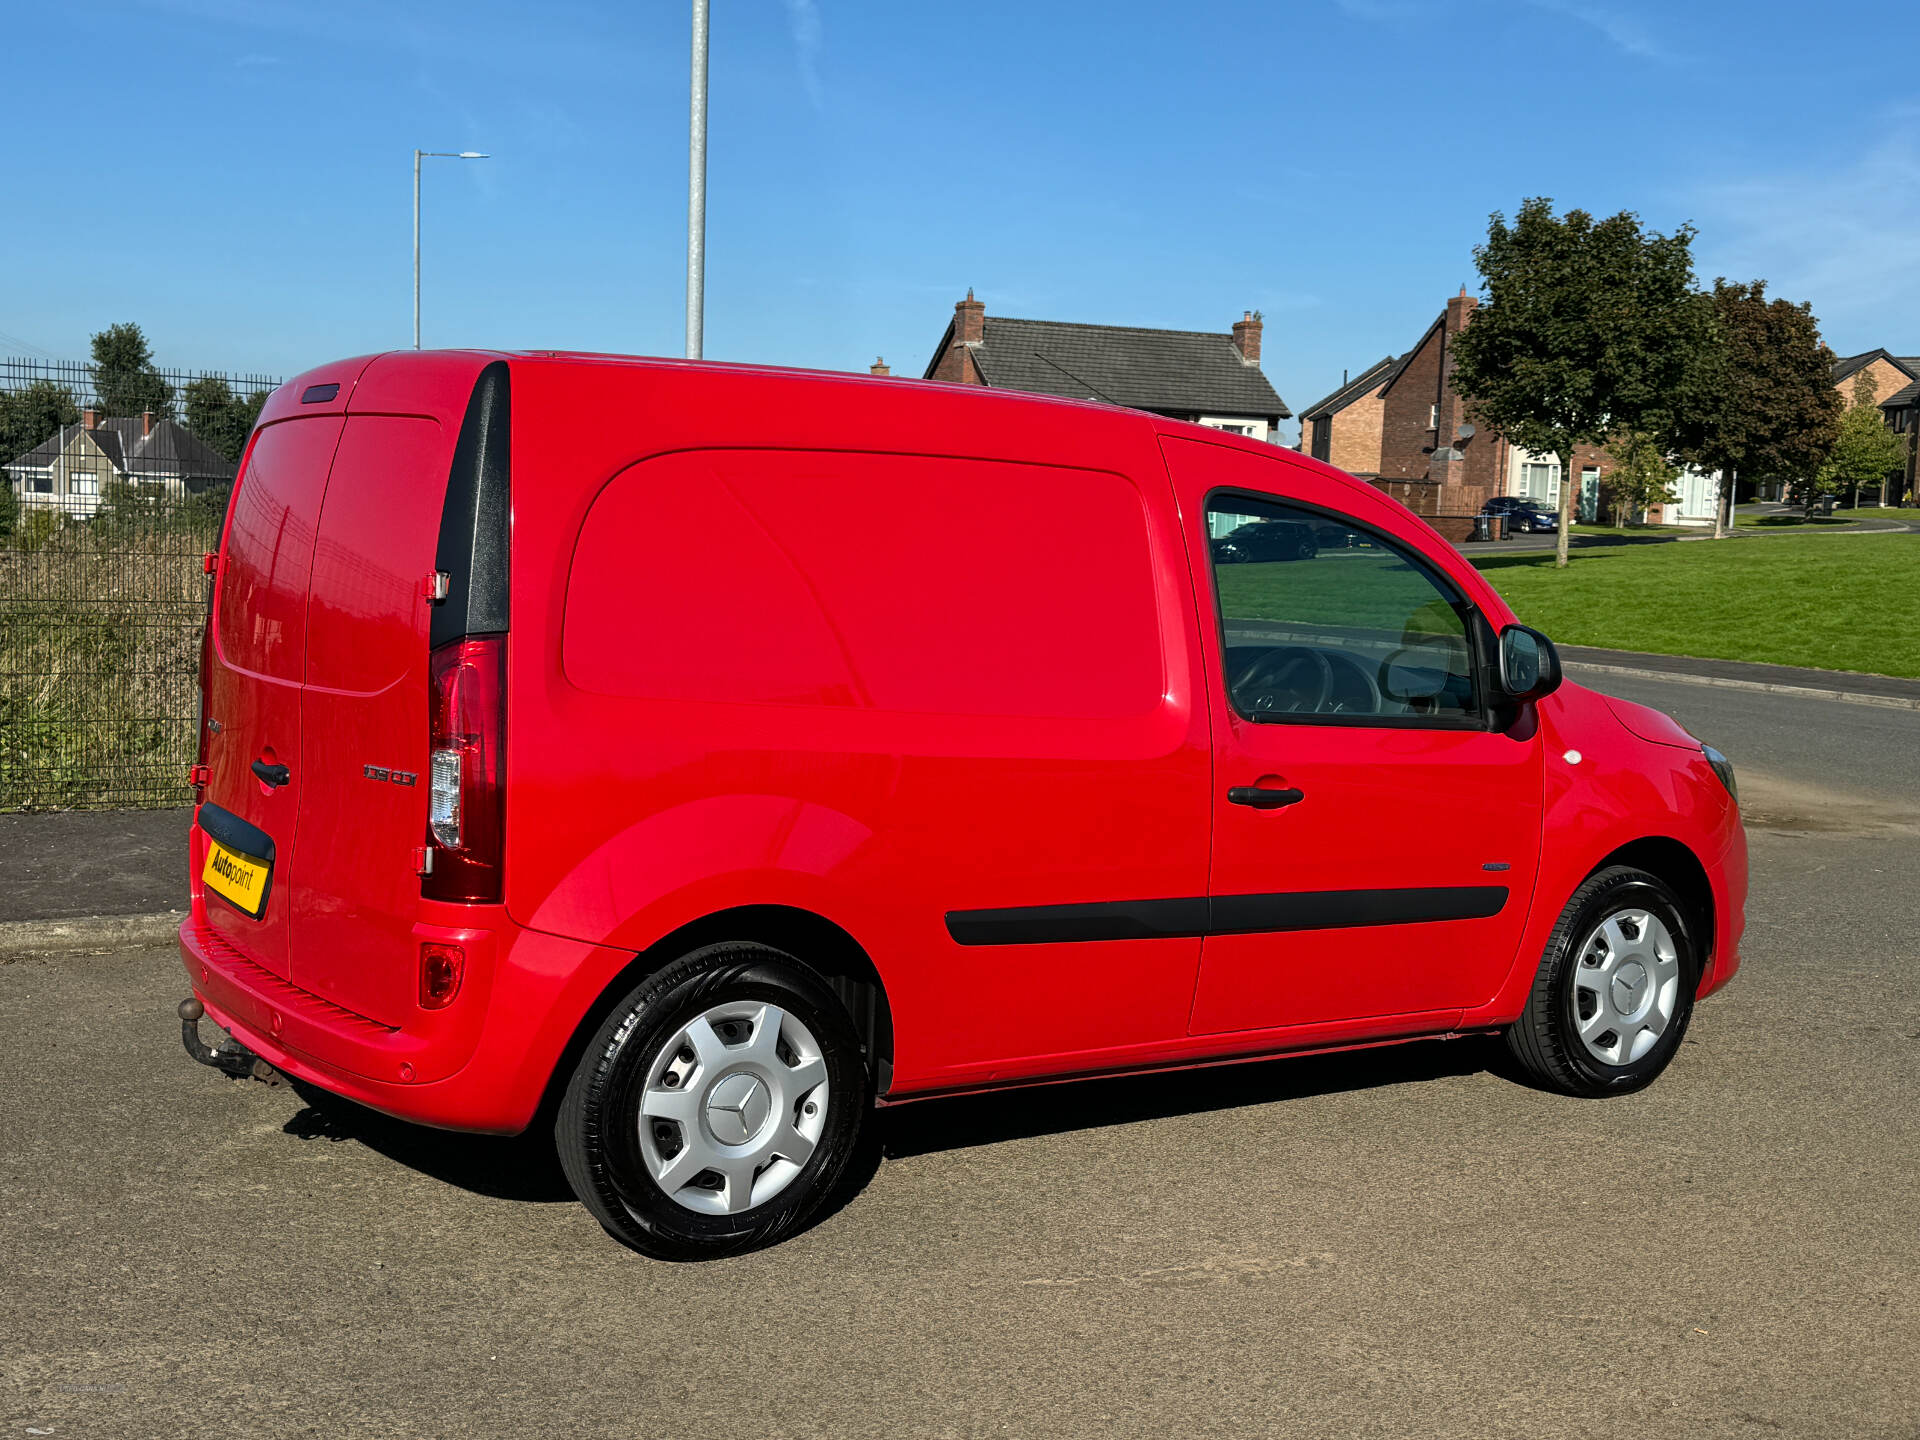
(1837, 602)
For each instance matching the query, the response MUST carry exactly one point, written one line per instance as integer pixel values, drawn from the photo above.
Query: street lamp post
(418, 156)
(697, 188)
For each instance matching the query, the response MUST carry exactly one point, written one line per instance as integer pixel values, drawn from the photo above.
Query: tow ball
(229, 1057)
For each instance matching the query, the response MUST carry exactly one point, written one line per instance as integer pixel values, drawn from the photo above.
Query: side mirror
(1529, 665)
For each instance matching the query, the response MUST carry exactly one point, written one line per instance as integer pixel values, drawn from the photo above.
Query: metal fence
(103, 527)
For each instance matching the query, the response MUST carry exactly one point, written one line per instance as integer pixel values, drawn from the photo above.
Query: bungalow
(71, 470)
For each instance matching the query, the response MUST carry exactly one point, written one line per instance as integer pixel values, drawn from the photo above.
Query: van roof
(793, 374)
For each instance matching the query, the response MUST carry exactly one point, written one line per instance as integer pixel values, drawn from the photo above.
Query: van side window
(1328, 622)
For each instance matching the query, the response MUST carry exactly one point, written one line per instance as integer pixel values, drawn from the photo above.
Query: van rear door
(364, 747)
(251, 800)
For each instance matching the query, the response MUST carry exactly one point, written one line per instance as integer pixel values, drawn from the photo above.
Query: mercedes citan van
(688, 756)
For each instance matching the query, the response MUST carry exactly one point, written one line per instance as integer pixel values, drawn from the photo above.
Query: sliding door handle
(1261, 798)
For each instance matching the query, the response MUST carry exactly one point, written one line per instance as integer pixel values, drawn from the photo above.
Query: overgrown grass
(1840, 602)
(99, 656)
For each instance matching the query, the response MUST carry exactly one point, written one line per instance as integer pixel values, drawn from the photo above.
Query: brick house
(1889, 373)
(1344, 428)
(71, 470)
(1211, 378)
(1402, 426)
(1902, 409)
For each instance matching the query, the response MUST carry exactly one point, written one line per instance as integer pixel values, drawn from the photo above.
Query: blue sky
(235, 174)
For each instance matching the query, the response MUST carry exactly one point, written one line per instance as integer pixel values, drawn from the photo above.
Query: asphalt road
(1397, 1242)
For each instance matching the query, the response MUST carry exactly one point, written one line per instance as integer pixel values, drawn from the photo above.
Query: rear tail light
(441, 968)
(466, 790)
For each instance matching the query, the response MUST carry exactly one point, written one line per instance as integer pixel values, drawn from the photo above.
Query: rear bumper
(477, 1065)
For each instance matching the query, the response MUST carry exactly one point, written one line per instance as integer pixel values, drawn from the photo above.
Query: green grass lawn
(1840, 602)
(1840, 516)
(1590, 530)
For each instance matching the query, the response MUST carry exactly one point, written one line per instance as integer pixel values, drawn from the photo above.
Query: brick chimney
(1246, 336)
(879, 367)
(969, 321)
(146, 423)
(1460, 310)
(89, 419)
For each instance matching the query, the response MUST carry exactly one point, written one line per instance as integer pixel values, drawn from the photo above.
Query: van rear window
(261, 620)
(885, 582)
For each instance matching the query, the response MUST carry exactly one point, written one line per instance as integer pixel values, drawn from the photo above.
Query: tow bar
(229, 1057)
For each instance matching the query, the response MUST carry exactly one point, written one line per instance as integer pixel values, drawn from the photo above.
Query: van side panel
(852, 676)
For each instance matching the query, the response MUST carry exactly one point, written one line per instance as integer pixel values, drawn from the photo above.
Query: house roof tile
(1184, 371)
(168, 449)
(1848, 366)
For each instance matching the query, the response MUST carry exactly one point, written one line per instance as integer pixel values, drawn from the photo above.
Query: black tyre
(717, 1108)
(1614, 991)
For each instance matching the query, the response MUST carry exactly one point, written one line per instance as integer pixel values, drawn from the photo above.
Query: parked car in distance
(1265, 540)
(633, 781)
(1523, 513)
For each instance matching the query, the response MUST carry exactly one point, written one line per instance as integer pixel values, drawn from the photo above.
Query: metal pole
(697, 189)
(416, 249)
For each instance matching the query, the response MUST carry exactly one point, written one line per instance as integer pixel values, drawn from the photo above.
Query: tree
(33, 414)
(1642, 476)
(1771, 412)
(1864, 450)
(1589, 329)
(9, 507)
(124, 376)
(219, 417)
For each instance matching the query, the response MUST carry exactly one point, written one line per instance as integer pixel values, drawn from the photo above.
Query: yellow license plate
(236, 878)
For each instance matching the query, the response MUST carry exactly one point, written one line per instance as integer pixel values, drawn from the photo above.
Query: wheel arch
(1676, 864)
(817, 942)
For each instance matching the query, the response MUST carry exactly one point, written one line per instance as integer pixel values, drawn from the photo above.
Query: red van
(687, 756)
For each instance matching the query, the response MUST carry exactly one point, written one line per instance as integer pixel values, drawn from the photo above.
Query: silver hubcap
(734, 1104)
(1625, 986)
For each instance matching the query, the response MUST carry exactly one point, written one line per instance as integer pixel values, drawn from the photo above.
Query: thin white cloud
(1625, 32)
(803, 22)
(1622, 30)
(1846, 237)
(255, 61)
(1382, 9)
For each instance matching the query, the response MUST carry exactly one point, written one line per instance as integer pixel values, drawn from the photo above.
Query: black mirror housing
(1529, 664)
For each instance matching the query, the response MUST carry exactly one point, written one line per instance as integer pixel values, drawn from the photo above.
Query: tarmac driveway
(1395, 1242)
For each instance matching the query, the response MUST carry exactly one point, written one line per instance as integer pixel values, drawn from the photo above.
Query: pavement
(1397, 1242)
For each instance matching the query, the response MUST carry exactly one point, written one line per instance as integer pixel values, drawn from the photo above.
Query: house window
(1540, 481)
(40, 484)
(82, 482)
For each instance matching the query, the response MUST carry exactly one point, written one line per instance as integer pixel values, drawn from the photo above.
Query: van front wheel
(717, 1108)
(1614, 991)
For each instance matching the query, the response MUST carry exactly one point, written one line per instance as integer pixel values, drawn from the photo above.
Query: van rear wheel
(717, 1108)
(1614, 992)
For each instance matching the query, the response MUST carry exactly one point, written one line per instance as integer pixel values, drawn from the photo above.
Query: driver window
(1329, 620)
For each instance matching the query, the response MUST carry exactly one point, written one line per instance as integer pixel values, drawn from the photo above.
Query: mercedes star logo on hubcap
(737, 1108)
